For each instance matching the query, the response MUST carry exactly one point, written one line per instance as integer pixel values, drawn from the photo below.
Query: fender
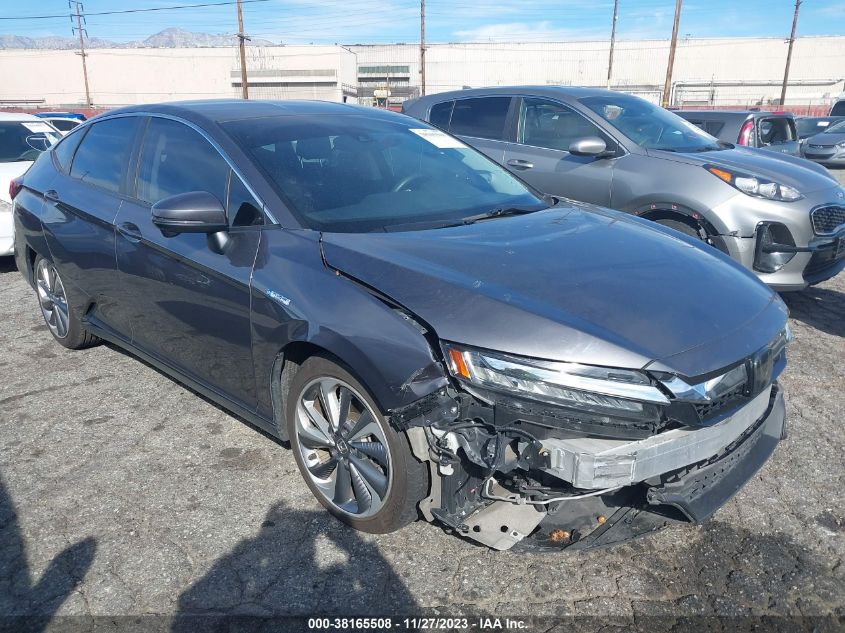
(665, 209)
(297, 300)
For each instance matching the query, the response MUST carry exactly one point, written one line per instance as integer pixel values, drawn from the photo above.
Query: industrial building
(743, 72)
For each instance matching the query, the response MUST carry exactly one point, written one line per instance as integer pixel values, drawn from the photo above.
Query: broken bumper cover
(698, 492)
(592, 463)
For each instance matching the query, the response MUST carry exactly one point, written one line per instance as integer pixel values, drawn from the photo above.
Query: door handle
(52, 194)
(520, 164)
(130, 231)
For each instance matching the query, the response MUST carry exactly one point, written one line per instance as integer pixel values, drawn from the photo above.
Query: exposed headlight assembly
(601, 395)
(756, 186)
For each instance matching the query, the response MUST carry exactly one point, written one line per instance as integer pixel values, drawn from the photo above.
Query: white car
(22, 138)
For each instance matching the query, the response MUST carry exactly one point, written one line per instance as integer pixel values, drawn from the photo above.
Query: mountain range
(168, 38)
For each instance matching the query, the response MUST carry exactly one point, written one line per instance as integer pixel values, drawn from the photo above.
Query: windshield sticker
(437, 138)
(823, 123)
(36, 126)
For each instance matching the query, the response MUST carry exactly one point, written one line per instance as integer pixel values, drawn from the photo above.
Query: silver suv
(780, 216)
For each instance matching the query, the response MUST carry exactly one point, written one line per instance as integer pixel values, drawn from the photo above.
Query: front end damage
(512, 466)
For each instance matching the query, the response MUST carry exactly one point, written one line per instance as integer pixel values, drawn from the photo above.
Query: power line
(143, 10)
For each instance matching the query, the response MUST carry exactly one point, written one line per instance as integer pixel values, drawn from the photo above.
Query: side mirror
(192, 212)
(588, 146)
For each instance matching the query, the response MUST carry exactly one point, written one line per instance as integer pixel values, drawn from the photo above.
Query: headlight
(842, 145)
(756, 186)
(599, 390)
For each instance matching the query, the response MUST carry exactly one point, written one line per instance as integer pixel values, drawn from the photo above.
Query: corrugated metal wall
(737, 71)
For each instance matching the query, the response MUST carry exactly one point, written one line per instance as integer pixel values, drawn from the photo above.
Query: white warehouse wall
(733, 71)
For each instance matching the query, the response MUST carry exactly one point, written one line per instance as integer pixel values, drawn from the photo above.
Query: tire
(58, 309)
(682, 227)
(345, 462)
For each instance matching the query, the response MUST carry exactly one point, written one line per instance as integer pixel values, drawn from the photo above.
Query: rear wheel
(357, 466)
(56, 307)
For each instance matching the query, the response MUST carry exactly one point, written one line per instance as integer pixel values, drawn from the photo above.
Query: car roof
(576, 92)
(221, 110)
(732, 113)
(17, 116)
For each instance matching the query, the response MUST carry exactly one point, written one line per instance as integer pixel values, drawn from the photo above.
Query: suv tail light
(745, 133)
(15, 186)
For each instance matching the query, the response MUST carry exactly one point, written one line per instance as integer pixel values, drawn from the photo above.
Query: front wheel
(354, 462)
(682, 227)
(56, 308)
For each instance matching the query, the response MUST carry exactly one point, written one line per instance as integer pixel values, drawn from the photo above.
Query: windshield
(356, 173)
(650, 126)
(24, 140)
(836, 128)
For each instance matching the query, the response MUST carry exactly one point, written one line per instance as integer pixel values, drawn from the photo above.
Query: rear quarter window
(103, 154)
(482, 117)
(441, 114)
(64, 151)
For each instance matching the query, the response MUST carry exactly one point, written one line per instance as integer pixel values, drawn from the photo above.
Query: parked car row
(433, 335)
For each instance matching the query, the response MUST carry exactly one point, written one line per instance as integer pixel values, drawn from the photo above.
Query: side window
(65, 149)
(483, 117)
(713, 127)
(103, 154)
(551, 125)
(243, 209)
(440, 114)
(176, 159)
(64, 125)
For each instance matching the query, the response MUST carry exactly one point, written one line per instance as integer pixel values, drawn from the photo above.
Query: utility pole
(422, 48)
(242, 44)
(78, 8)
(789, 53)
(612, 41)
(667, 87)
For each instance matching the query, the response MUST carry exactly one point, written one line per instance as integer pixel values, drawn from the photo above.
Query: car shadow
(820, 308)
(302, 563)
(7, 265)
(28, 605)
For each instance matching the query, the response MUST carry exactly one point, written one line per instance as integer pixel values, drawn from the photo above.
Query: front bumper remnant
(591, 463)
(690, 494)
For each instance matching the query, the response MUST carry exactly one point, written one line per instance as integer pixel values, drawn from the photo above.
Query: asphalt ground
(128, 501)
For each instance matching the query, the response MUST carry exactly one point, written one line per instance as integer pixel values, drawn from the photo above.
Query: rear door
(187, 296)
(541, 154)
(80, 207)
(483, 122)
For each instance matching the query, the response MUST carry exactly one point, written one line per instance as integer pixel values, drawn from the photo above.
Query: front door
(541, 154)
(187, 296)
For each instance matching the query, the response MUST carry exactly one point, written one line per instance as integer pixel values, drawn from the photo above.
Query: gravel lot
(122, 493)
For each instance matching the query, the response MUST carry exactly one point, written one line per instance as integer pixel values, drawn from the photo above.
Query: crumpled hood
(590, 286)
(798, 173)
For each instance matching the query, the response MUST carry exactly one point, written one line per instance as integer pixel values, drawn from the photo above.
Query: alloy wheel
(343, 447)
(52, 298)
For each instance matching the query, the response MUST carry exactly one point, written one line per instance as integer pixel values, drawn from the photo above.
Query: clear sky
(354, 21)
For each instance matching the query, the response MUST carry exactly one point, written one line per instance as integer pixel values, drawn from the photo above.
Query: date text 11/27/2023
(478, 623)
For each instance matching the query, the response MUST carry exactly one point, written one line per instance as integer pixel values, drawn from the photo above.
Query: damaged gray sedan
(433, 337)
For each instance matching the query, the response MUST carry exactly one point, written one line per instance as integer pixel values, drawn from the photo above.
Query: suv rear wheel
(354, 462)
